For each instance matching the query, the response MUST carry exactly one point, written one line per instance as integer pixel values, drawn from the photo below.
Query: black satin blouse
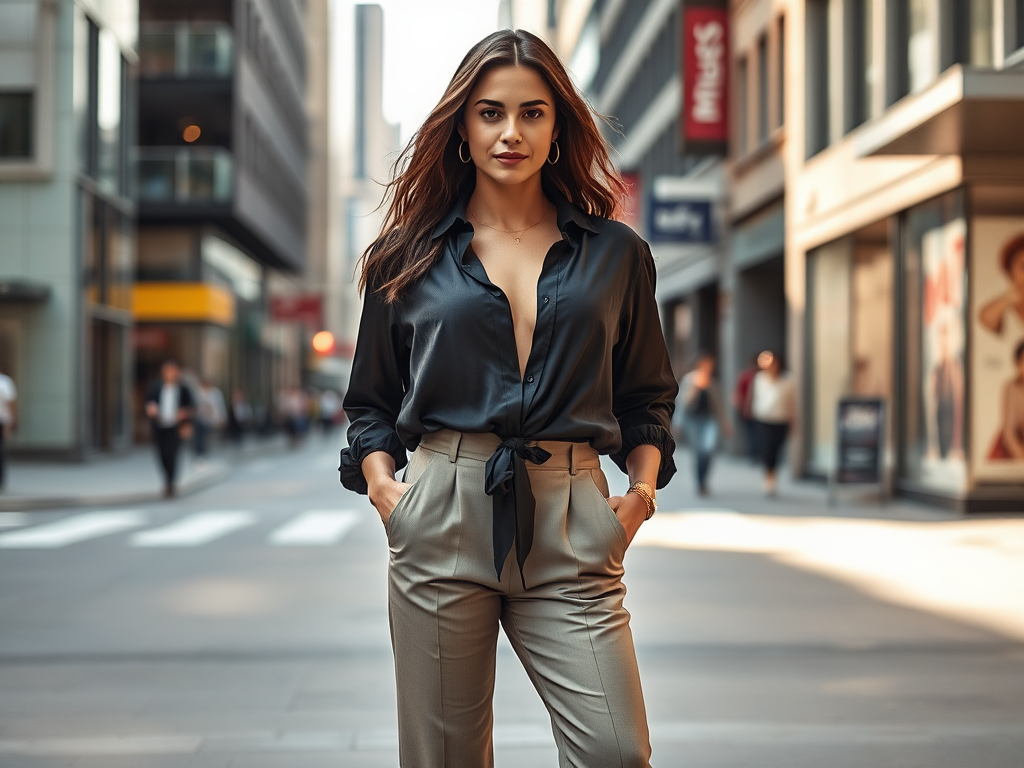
(444, 356)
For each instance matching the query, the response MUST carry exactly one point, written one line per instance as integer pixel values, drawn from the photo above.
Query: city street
(246, 626)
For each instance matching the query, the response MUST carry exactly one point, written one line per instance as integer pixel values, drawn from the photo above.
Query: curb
(41, 503)
(186, 487)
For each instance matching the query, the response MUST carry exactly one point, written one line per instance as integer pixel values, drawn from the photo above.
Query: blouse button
(529, 379)
(546, 299)
(496, 292)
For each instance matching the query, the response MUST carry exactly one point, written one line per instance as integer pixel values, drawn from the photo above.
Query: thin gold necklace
(506, 231)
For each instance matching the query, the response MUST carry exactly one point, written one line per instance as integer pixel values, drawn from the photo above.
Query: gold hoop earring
(464, 159)
(558, 153)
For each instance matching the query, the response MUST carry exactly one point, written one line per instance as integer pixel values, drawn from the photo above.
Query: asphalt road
(246, 626)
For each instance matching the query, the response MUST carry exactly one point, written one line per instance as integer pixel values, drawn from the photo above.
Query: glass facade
(934, 338)
(110, 129)
(106, 236)
(186, 50)
(184, 175)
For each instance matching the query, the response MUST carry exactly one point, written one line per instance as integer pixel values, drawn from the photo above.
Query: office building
(66, 217)
(221, 168)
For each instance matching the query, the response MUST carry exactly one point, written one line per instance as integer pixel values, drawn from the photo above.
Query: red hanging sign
(705, 79)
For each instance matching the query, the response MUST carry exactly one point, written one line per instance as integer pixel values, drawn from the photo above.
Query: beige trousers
(568, 626)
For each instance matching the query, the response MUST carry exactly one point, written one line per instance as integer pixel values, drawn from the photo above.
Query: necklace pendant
(517, 240)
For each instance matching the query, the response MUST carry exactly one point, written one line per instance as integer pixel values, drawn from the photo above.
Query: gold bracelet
(644, 491)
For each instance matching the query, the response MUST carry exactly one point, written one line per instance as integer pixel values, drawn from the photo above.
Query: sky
(424, 41)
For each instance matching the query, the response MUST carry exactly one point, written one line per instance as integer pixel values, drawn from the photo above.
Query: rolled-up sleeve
(375, 392)
(644, 387)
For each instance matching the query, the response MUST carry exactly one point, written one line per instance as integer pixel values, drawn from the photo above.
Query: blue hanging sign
(680, 221)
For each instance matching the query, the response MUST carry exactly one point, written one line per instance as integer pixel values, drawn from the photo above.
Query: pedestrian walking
(773, 405)
(8, 420)
(330, 404)
(211, 414)
(239, 416)
(741, 403)
(169, 406)
(704, 416)
(293, 405)
(509, 336)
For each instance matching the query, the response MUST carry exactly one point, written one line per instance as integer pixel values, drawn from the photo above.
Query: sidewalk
(965, 568)
(129, 478)
(737, 484)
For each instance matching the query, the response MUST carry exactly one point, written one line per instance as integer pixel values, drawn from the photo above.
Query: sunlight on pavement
(968, 570)
(222, 598)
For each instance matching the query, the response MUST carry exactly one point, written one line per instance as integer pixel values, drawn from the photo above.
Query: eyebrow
(534, 103)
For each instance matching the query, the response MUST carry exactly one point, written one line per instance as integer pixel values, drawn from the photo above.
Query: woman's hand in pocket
(384, 496)
(631, 510)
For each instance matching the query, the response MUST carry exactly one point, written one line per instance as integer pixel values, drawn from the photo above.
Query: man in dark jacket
(169, 406)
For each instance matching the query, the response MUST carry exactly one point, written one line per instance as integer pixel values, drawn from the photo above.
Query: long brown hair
(428, 176)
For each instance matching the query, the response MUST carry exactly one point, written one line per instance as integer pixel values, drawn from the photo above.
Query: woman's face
(509, 123)
(1017, 270)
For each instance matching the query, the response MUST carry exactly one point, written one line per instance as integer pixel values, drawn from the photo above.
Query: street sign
(860, 443)
(680, 221)
(297, 308)
(705, 44)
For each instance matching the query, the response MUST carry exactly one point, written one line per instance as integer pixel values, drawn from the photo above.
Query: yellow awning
(183, 303)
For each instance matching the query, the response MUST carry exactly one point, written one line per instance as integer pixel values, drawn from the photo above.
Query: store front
(922, 309)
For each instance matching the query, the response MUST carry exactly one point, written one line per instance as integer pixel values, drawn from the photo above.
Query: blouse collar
(567, 213)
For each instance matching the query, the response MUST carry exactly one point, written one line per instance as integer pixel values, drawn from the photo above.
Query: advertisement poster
(997, 359)
(942, 354)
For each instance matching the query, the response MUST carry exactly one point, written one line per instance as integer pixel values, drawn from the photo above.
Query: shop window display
(934, 444)
(997, 359)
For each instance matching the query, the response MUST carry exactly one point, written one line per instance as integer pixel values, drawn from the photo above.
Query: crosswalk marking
(317, 527)
(71, 530)
(196, 529)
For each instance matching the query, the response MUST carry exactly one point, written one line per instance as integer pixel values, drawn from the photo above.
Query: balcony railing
(187, 49)
(183, 175)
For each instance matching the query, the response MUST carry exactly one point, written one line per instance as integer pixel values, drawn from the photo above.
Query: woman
(1004, 315)
(741, 406)
(773, 405)
(1009, 443)
(703, 416)
(509, 336)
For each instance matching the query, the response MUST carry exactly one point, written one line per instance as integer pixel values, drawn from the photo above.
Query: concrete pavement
(177, 643)
(128, 478)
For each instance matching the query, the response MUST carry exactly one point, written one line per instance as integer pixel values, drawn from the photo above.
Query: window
(922, 44)
(979, 23)
(829, 343)
(1015, 22)
(859, 62)
(780, 73)
(816, 70)
(762, 90)
(15, 126)
(109, 112)
(897, 22)
(969, 36)
(742, 102)
(934, 344)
